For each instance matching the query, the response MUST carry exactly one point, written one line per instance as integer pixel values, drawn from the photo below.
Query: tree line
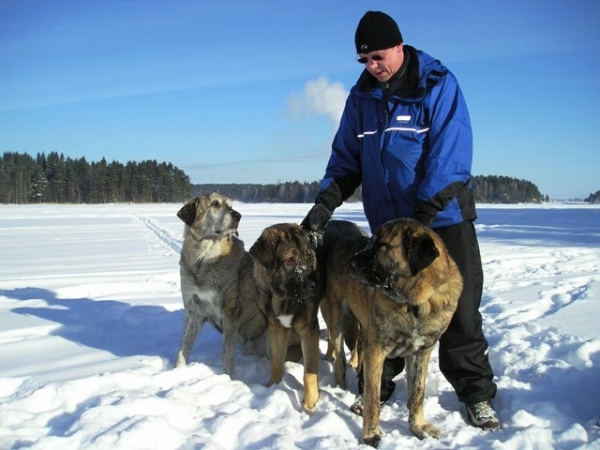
(288, 192)
(500, 189)
(593, 198)
(53, 178)
(487, 189)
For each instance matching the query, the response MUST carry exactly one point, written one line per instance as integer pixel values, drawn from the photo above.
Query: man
(405, 135)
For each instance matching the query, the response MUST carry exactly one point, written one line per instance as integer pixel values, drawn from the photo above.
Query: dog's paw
(329, 357)
(227, 369)
(272, 381)
(372, 441)
(341, 383)
(358, 406)
(310, 406)
(310, 399)
(425, 430)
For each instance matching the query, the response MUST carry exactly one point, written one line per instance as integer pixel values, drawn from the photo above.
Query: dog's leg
(337, 337)
(278, 343)
(192, 326)
(416, 374)
(230, 328)
(372, 367)
(326, 306)
(351, 336)
(309, 338)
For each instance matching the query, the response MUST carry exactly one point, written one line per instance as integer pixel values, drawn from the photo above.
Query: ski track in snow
(156, 233)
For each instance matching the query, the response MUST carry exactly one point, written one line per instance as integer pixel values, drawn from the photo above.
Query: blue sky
(251, 91)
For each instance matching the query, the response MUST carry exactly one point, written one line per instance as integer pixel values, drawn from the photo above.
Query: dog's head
(210, 216)
(396, 254)
(286, 262)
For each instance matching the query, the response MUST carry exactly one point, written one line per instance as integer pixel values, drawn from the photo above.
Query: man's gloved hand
(424, 218)
(425, 212)
(317, 218)
(314, 223)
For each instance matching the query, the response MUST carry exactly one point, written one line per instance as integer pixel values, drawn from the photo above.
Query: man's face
(383, 64)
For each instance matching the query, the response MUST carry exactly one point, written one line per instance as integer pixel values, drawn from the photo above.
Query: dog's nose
(236, 215)
(310, 284)
(352, 264)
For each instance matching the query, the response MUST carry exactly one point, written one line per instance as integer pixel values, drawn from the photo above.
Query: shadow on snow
(118, 327)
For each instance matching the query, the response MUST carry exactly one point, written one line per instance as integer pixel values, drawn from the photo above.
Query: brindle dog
(403, 287)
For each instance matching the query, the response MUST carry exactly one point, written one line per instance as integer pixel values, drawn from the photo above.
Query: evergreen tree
(593, 198)
(54, 178)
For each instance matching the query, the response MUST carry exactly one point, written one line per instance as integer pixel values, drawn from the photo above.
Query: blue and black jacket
(410, 146)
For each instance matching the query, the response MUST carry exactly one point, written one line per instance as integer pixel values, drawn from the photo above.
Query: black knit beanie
(376, 31)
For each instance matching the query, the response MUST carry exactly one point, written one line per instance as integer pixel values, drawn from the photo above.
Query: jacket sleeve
(343, 173)
(449, 151)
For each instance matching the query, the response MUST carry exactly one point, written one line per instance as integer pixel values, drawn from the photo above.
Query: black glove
(424, 218)
(314, 223)
(425, 212)
(317, 218)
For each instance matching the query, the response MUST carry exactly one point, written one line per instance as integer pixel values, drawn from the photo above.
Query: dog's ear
(264, 249)
(188, 212)
(306, 246)
(420, 250)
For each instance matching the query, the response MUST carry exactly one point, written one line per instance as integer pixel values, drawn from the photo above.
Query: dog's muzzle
(366, 274)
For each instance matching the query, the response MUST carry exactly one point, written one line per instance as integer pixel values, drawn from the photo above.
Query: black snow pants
(463, 349)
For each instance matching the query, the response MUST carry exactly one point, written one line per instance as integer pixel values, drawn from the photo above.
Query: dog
(351, 335)
(336, 313)
(217, 280)
(403, 287)
(287, 272)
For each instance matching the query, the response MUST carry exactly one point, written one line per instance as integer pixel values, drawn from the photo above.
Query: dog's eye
(290, 261)
(216, 204)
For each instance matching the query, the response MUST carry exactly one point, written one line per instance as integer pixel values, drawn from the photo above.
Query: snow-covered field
(91, 319)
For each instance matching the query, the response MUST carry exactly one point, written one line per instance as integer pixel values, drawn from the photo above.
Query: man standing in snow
(405, 135)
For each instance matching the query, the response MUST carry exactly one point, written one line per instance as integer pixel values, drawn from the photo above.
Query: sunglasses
(365, 59)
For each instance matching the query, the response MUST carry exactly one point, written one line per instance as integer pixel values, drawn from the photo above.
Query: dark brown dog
(336, 314)
(286, 271)
(351, 335)
(403, 287)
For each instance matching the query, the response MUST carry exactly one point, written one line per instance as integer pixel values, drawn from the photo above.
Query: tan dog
(403, 287)
(217, 280)
(286, 272)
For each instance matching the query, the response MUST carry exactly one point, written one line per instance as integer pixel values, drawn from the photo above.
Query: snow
(91, 320)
